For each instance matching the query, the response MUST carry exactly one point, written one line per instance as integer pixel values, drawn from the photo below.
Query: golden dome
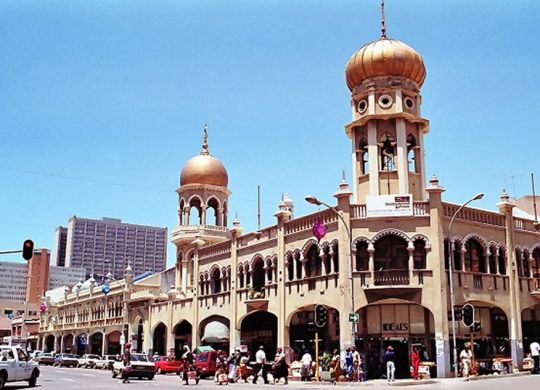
(204, 168)
(385, 57)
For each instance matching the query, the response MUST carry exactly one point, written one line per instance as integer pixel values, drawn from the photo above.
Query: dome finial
(205, 140)
(383, 22)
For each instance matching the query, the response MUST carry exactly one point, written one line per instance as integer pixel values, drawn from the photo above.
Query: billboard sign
(389, 205)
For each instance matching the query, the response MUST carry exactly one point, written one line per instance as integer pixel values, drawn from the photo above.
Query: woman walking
(415, 362)
(280, 369)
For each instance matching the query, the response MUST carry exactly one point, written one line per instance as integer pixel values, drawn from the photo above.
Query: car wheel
(114, 374)
(151, 377)
(2, 382)
(33, 379)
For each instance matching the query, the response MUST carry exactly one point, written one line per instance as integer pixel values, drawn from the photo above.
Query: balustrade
(391, 278)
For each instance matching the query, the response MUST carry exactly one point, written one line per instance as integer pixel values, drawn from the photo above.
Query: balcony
(395, 277)
(211, 234)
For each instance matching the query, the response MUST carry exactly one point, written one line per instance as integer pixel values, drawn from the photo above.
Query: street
(75, 378)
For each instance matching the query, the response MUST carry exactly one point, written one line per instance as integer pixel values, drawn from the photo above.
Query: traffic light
(476, 327)
(28, 249)
(467, 315)
(320, 315)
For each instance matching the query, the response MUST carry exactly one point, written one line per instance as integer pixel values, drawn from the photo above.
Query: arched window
(327, 259)
(526, 264)
(181, 212)
(213, 205)
(363, 156)
(258, 274)
(519, 262)
(412, 153)
(336, 256)
(492, 260)
(269, 270)
(362, 256)
(387, 153)
(216, 281)
(241, 277)
(391, 253)
(446, 254)
(474, 257)
(195, 205)
(298, 264)
(419, 255)
(201, 284)
(536, 263)
(502, 261)
(224, 217)
(313, 263)
(290, 266)
(457, 256)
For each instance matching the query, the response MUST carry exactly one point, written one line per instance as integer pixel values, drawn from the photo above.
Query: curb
(494, 376)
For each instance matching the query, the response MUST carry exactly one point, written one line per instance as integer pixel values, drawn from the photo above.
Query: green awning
(203, 348)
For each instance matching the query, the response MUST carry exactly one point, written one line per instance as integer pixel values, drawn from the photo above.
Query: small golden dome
(385, 57)
(204, 169)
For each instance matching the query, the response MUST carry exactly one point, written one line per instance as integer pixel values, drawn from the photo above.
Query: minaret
(202, 210)
(387, 131)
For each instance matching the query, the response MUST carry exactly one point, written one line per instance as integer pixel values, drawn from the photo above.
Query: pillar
(410, 249)
(62, 343)
(198, 243)
(282, 326)
(403, 164)
(104, 344)
(516, 340)
(234, 332)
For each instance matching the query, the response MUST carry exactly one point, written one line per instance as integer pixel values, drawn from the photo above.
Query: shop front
(402, 326)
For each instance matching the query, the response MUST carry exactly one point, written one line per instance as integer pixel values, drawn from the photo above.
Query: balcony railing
(392, 277)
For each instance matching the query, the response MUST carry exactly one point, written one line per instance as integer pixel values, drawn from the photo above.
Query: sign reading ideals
(354, 317)
(389, 205)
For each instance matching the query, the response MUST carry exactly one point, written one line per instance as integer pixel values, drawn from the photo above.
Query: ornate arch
(213, 269)
(534, 246)
(423, 238)
(255, 258)
(390, 231)
(308, 245)
(215, 198)
(360, 239)
(481, 239)
(192, 197)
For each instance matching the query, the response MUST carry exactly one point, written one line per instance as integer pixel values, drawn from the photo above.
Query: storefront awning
(216, 332)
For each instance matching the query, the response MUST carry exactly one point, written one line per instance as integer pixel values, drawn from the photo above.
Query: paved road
(86, 379)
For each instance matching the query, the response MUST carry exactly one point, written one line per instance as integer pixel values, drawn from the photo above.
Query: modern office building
(109, 245)
(59, 250)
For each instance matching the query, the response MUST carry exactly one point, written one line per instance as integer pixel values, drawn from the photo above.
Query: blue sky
(103, 102)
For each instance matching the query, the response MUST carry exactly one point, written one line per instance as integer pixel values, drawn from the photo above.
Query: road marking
(69, 380)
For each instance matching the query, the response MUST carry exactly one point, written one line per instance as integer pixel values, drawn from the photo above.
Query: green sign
(354, 317)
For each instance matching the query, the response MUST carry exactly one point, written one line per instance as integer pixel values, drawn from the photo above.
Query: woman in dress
(280, 369)
(415, 362)
(335, 367)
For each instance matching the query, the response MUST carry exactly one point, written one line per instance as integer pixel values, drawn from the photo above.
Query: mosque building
(394, 252)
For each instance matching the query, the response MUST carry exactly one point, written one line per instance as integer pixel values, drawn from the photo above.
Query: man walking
(127, 363)
(390, 358)
(535, 354)
(260, 366)
(466, 361)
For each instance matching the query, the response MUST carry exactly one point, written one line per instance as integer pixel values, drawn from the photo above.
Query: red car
(165, 364)
(206, 363)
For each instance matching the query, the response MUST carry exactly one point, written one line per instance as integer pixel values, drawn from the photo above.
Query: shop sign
(395, 327)
(389, 205)
(256, 334)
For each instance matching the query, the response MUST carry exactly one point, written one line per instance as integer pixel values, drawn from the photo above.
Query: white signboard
(389, 205)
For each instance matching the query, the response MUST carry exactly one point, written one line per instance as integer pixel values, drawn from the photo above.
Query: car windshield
(67, 355)
(139, 358)
(92, 357)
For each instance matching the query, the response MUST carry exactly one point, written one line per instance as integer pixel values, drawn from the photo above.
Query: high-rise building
(59, 254)
(108, 245)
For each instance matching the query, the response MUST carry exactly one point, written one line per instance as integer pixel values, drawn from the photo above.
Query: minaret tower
(202, 211)
(387, 131)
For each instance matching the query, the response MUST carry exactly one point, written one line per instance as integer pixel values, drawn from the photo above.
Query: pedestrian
(280, 368)
(155, 358)
(260, 366)
(243, 368)
(349, 363)
(415, 362)
(221, 367)
(390, 359)
(127, 363)
(335, 367)
(232, 364)
(466, 360)
(305, 371)
(535, 354)
(356, 364)
(189, 366)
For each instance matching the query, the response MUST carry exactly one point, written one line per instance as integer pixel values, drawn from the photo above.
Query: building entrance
(402, 326)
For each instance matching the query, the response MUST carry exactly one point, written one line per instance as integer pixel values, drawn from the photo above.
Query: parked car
(165, 364)
(15, 366)
(205, 362)
(66, 360)
(141, 367)
(105, 363)
(88, 361)
(36, 353)
(46, 358)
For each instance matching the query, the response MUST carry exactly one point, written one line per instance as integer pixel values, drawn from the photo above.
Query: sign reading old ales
(395, 327)
(389, 205)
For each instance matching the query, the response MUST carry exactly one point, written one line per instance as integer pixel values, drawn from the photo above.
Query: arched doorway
(401, 325)
(530, 325)
(159, 339)
(81, 343)
(96, 343)
(259, 329)
(68, 343)
(302, 331)
(215, 332)
(113, 343)
(49, 343)
(182, 336)
(257, 275)
(139, 336)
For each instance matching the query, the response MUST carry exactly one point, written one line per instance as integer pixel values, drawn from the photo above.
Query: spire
(383, 21)
(205, 140)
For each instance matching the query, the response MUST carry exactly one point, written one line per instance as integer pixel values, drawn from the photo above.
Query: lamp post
(313, 200)
(451, 267)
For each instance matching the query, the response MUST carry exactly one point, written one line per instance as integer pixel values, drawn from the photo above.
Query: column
(516, 341)
(371, 262)
(486, 262)
(234, 332)
(282, 326)
(496, 255)
(62, 343)
(403, 164)
(203, 215)
(195, 304)
(410, 249)
(104, 344)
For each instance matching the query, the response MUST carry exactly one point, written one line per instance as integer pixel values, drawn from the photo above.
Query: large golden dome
(204, 169)
(385, 57)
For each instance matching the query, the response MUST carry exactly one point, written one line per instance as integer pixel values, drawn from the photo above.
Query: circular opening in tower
(409, 102)
(385, 101)
(362, 106)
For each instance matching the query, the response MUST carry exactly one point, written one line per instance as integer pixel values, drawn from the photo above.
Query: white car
(105, 363)
(140, 368)
(88, 361)
(15, 366)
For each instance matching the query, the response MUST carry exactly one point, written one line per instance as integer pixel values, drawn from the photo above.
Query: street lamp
(451, 267)
(313, 200)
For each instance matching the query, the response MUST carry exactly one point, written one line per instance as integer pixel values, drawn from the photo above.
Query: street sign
(122, 339)
(354, 318)
(105, 288)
